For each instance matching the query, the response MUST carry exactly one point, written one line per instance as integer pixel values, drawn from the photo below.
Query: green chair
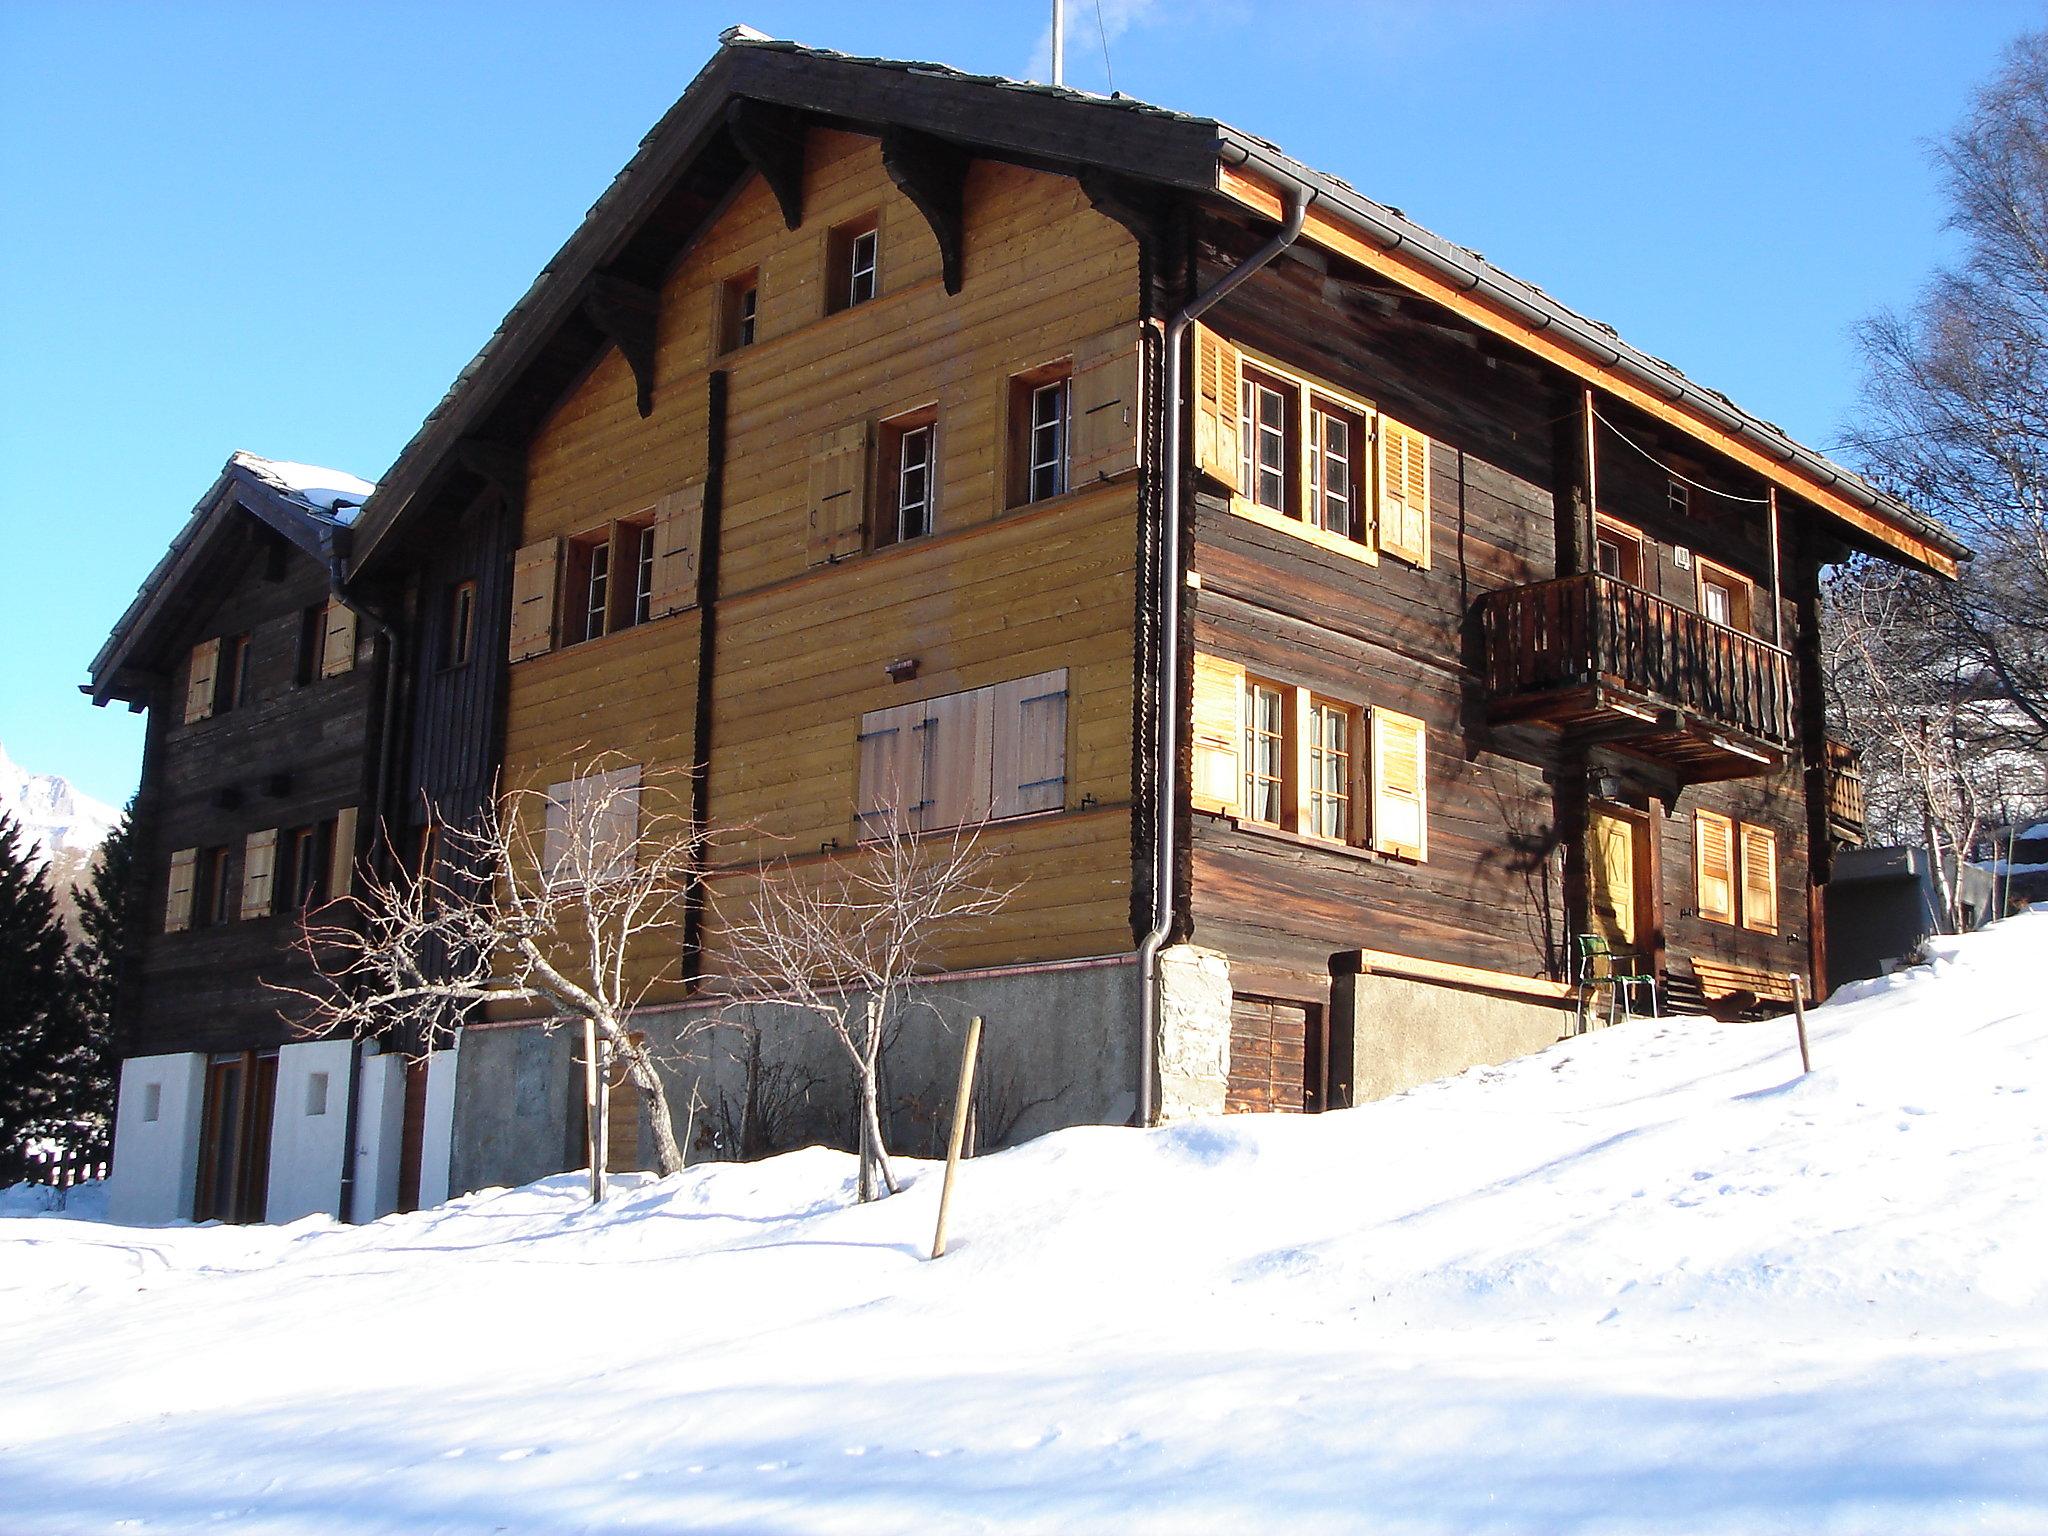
(1622, 973)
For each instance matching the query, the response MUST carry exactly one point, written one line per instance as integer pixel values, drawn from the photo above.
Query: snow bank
(1648, 1280)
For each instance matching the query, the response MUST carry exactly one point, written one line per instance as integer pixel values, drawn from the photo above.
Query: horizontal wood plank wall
(290, 755)
(995, 594)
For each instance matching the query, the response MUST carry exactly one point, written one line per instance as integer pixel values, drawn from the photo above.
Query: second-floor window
(1265, 433)
(642, 537)
(590, 581)
(1265, 754)
(853, 255)
(1048, 446)
(302, 869)
(739, 301)
(1329, 770)
(216, 891)
(1335, 438)
(1724, 596)
(233, 684)
(1618, 551)
(908, 479)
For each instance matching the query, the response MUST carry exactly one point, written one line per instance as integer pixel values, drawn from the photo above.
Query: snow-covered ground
(1651, 1280)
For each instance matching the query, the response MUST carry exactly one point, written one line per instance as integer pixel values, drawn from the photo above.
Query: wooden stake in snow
(1799, 1017)
(593, 1113)
(962, 1107)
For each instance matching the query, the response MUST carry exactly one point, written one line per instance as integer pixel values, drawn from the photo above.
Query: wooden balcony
(1599, 660)
(1845, 795)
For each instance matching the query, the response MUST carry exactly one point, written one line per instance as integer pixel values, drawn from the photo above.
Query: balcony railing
(1591, 643)
(1845, 794)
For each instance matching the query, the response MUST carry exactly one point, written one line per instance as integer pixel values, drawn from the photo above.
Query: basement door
(234, 1141)
(1276, 1057)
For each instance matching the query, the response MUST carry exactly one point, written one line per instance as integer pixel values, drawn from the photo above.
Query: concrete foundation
(437, 1138)
(1194, 1032)
(308, 1130)
(1406, 1032)
(380, 1134)
(155, 1176)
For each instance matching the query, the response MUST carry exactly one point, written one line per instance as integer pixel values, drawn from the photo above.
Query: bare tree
(845, 944)
(558, 898)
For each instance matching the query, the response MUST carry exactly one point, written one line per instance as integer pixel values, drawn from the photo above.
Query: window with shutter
(678, 533)
(259, 868)
(1030, 750)
(1404, 491)
(1400, 785)
(891, 770)
(593, 827)
(200, 679)
(1759, 879)
(338, 649)
(178, 900)
(341, 875)
(837, 496)
(534, 571)
(1218, 391)
(1105, 407)
(958, 748)
(1218, 707)
(1714, 866)
(1041, 435)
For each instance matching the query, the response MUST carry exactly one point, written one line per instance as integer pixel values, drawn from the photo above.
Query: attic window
(739, 299)
(853, 263)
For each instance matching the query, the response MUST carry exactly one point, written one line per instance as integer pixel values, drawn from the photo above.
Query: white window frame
(924, 436)
(863, 262)
(1047, 441)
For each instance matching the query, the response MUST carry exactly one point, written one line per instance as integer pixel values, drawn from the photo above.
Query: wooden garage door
(1274, 1062)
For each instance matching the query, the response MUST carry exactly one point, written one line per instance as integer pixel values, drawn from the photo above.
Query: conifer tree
(107, 912)
(40, 1016)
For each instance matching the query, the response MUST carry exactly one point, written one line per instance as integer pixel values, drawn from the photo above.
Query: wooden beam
(772, 140)
(1326, 229)
(1383, 962)
(933, 175)
(626, 314)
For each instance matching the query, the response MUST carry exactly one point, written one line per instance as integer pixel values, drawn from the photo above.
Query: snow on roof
(333, 491)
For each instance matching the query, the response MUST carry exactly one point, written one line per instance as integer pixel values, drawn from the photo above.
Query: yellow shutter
(341, 871)
(1714, 865)
(1403, 515)
(338, 645)
(958, 753)
(1400, 785)
(178, 903)
(837, 509)
(891, 769)
(259, 867)
(1759, 879)
(1219, 382)
(1218, 734)
(200, 680)
(533, 599)
(678, 536)
(1104, 396)
(1030, 772)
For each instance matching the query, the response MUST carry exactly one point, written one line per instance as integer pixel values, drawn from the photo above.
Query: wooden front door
(1611, 905)
(234, 1143)
(412, 1136)
(1276, 1057)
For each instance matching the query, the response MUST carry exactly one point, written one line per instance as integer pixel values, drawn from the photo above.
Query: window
(909, 470)
(642, 537)
(216, 890)
(461, 632)
(593, 827)
(233, 681)
(1759, 879)
(259, 874)
(1265, 754)
(1714, 866)
(739, 299)
(1048, 451)
(853, 256)
(202, 676)
(991, 753)
(338, 643)
(304, 868)
(1679, 497)
(616, 577)
(1329, 770)
(1265, 439)
(590, 571)
(1618, 551)
(178, 900)
(1040, 426)
(1335, 436)
(1724, 596)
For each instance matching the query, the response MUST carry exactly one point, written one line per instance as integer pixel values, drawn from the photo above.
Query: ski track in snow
(1651, 1280)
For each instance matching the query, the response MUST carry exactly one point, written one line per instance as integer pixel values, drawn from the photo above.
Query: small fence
(64, 1170)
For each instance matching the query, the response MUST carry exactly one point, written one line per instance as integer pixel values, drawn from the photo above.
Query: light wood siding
(259, 870)
(803, 646)
(338, 645)
(201, 676)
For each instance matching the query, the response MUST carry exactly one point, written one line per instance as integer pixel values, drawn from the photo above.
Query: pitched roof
(312, 507)
(1047, 126)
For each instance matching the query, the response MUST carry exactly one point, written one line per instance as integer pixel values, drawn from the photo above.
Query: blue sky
(285, 227)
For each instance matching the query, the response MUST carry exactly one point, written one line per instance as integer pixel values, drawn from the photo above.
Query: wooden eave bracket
(771, 140)
(499, 465)
(1140, 209)
(933, 175)
(626, 313)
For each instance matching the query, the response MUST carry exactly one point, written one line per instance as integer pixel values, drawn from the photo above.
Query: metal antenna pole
(1059, 42)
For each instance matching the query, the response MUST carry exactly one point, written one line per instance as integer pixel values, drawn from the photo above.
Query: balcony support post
(1591, 536)
(1777, 572)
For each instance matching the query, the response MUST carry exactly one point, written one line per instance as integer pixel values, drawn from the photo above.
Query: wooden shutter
(259, 871)
(341, 869)
(1219, 381)
(1759, 879)
(891, 769)
(609, 815)
(1030, 772)
(178, 903)
(958, 753)
(1104, 395)
(1218, 734)
(338, 645)
(678, 537)
(1714, 865)
(201, 680)
(838, 500)
(534, 571)
(1400, 785)
(1403, 513)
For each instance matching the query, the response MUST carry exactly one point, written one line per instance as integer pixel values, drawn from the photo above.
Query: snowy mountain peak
(55, 818)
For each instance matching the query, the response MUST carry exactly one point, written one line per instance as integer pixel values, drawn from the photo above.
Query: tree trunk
(870, 1110)
(668, 1157)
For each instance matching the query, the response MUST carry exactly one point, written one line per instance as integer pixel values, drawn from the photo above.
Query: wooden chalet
(1340, 638)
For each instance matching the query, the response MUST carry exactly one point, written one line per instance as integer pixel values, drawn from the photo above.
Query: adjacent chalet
(1349, 648)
